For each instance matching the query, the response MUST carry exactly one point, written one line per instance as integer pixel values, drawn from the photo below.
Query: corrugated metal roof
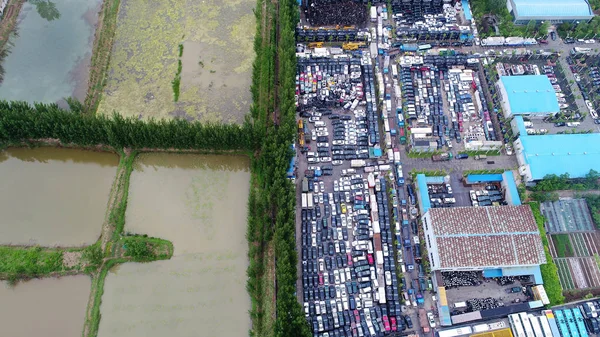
(508, 234)
(552, 8)
(575, 154)
(530, 94)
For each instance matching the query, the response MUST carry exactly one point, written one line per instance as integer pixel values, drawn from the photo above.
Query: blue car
(462, 156)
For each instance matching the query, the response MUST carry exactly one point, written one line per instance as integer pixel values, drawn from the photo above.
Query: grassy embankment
(103, 43)
(549, 270)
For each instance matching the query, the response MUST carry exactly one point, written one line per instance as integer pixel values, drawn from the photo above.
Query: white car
(338, 142)
(431, 319)
(325, 159)
(314, 119)
(449, 188)
(388, 278)
(306, 309)
(337, 162)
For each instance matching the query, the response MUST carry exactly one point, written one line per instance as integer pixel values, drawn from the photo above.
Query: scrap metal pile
(477, 304)
(327, 13)
(455, 279)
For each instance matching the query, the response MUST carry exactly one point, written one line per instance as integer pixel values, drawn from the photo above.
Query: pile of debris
(347, 13)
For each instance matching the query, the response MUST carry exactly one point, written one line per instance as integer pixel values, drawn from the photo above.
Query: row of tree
(20, 121)
(583, 30)
(553, 182)
(290, 316)
(260, 226)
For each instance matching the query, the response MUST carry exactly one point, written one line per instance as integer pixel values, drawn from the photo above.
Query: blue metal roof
(530, 94)
(575, 154)
(434, 180)
(509, 178)
(552, 8)
(489, 273)
(484, 178)
(422, 183)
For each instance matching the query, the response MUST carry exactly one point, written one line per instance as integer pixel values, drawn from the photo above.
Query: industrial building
(541, 155)
(529, 95)
(555, 11)
(509, 236)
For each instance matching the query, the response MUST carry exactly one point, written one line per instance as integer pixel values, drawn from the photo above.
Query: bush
(549, 270)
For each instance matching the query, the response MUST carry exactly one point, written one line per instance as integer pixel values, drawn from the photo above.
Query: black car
(553, 35)
(560, 124)
(408, 321)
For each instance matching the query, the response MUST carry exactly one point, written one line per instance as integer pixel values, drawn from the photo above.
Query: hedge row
(20, 121)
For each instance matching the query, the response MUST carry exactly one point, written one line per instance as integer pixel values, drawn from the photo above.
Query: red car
(393, 322)
(349, 259)
(543, 41)
(370, 258)
(386, 323)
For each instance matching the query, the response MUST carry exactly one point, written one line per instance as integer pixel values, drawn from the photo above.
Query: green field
(563, 245)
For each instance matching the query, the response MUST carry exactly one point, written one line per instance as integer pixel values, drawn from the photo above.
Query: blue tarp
(467, 9)
(290, 172)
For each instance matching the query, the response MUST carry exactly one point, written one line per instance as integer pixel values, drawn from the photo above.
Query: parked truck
(357, 163)
(423, 320)
(480, 157)
(373, 14)
(442, 156)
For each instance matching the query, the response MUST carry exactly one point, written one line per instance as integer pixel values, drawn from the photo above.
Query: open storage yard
(50, 54)
(201, 50)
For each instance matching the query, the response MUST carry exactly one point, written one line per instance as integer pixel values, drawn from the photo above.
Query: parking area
(350, 285)
(586, 72)
(487, 195)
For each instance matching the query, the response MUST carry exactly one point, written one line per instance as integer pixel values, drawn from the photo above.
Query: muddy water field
(216, 60)
(44, 307)
(50, 51)
(197, 202)
(53, 196)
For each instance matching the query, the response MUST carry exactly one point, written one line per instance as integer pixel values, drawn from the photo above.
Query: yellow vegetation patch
(218, 53)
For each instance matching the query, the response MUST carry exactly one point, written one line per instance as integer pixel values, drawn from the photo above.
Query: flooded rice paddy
(51, 51)
(217, 38)
(199, 203)
(52, 196)
(53, 307)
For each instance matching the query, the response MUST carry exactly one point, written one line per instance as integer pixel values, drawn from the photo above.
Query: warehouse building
(529, 95)
(499, 241)
(541, 155)
(555, 11)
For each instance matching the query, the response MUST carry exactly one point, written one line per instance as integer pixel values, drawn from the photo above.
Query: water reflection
(46, 9)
